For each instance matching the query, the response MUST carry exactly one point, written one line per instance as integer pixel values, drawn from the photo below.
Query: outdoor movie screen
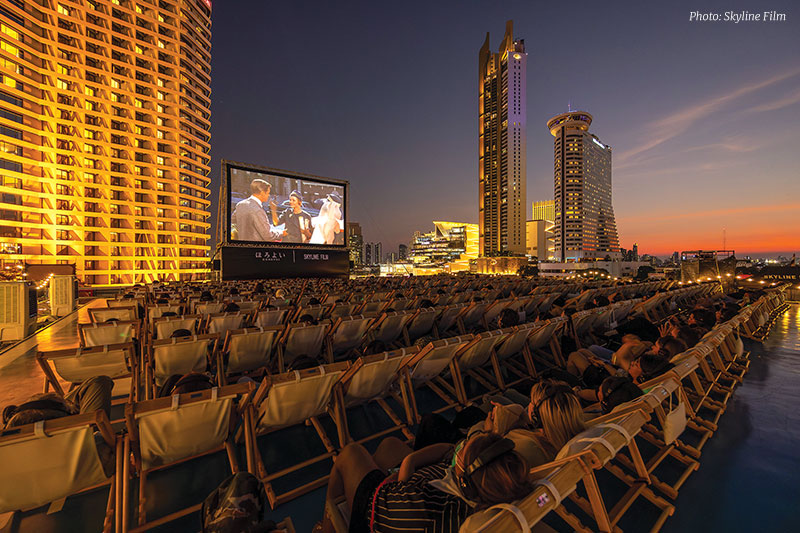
(270, 206)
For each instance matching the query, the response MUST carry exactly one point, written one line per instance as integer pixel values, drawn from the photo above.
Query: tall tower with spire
(502, 164)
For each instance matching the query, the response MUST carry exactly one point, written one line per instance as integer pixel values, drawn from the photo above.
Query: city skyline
(690, 109)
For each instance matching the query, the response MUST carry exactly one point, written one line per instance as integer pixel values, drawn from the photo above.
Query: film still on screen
(267, 207)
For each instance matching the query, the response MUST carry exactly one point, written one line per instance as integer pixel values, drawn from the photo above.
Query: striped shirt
(416, 506)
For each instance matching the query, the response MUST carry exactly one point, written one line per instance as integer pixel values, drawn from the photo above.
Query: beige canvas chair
(101, 334)
(507, 352)
(166, 431)
(207, 308)
(247, 349)
(343, 309)
(163, 327)
(222, 322)
(103, 314)
(178, 356)
(346, 335)
(471, 317)
(76, 365)
(421, 324)
(270, 317)
(493, 310)
(288, 399)
(471, 360)
(157, 311)
(371, 379)
(388, 327)
(50, 460)
(448, 319)
(301, 340)
(426, 368)
(546, 335)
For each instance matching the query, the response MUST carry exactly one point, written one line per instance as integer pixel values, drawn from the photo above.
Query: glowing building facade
(502, 138)
(105, 137)
(584, 228)
(449, 247)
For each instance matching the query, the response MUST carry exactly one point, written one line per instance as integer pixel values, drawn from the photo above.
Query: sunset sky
(703, 118)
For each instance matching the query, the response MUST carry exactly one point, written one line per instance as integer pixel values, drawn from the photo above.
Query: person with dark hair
(434, 488)
(616, 390)
(307, 320)
(180, 333)
(648, 366)
(669, 345)
(259, 288)
(168, 314)
(425, 303)
(234, 291)
(703, 319)
(181, 384)
(205, 296)
(508, 318)
(231, 307)
(297, 222)
(687, 334)
(313, 301)
(600, 301)
(375, 346)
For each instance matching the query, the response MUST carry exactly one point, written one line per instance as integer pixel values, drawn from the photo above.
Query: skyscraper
(585, 228)
(502, 162)
(355, 242)
(539, 232)
(105, 136)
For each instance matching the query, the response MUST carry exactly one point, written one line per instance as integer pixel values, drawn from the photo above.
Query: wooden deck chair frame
(403, 318)
(287, 332)
(555, 358)
(260, 395)
(134, 324)
(271, 355)
(281, 313)
(401, 396)
(102, 314)
(484, 342)
(149, 378)
(99, 419)
(51, 379)
(437, 383)
(196, 319)
(206, 328)
(132, 438)
(363, 324)
(431, 314)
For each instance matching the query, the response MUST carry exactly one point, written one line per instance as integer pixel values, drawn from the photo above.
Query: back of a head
(672, 346)
(653, 365)
(179, 333)
(307, 320)
(508, 318)
(688, 335)
(313, 301)
(601, 301)
(45, 406)
(375, 346)
(181, 384)
(616, 390)
(232, 308)
(502, 479)
(704, 318)
(558, 410)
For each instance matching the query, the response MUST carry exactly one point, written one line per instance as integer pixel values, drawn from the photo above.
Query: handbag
(674, 421)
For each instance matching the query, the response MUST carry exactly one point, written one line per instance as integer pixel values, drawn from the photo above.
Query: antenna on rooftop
(569, 106)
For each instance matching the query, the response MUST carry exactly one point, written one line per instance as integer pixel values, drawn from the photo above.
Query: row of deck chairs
(212, 420)
(672, 421)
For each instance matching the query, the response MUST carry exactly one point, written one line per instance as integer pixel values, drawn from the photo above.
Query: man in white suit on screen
(249, 219)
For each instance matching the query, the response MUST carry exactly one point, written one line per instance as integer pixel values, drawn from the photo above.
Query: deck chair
(50, 460)
(421, 324)
(506, 356)
(270, 317)
(346, 335)
(426, 368)
(101, 334)
(167, 431)
(207, 308)
(471, 359)
(388, 327)
(300, 340)
(246, 349)
(179, 356)
(370, 379)
(127, 302)
(597, 447)
(285, 400)
(448, 319)
(546, 334)
(222, 322)
(164, 327)
(493, 311)
(373, 306)
(103, 314)
(157, 311)
(471, 317)
(249, 306)
(317, 312)
(343, 309)
(76, 365)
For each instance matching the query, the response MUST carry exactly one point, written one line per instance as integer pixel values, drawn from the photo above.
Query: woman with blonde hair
(556, 409)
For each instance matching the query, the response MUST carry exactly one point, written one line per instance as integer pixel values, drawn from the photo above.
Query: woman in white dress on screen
(329, 221)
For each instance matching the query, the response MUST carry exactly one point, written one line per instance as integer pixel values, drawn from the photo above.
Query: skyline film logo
(737, 16)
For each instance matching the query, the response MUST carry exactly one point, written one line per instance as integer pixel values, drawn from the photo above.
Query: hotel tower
(502, 162)
(105, 137)
(584, 218)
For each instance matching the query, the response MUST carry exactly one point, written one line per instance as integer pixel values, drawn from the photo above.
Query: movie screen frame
(294, 180)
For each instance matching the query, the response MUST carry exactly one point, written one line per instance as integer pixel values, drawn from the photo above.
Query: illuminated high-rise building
(355, 243)
(105, 137)
(544, 210)
(585, 228)
(502, 162)
(539, 234)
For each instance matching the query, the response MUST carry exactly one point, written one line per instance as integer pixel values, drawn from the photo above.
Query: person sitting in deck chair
(92, 395)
